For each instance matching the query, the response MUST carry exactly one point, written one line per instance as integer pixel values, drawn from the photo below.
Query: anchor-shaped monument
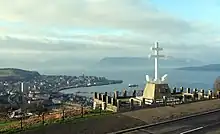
(157, 88)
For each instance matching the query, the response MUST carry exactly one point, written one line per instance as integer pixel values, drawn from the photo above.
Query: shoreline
(109, 82)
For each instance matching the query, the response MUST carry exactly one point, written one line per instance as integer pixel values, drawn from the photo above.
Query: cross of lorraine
(156, 57)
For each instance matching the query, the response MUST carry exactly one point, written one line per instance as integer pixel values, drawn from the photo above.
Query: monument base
(156, 91)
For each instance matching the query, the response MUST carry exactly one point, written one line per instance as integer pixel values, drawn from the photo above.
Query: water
(176, 78)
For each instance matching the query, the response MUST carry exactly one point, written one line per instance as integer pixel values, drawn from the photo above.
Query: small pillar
(118, 104)
(195, 94)
(218, 94)
(106, 93)
(131, 103)
(181, 89)
(174, 90)
(104, 105)
(165, 100)
(183, 99)
(203, 92)
(143, 101)
(124, 93)
(106, 99)
(95, 95)
(109, 99)
(134, 93)
(94, 105)
(188, 90)
(210, 94)
(195, 90)
(116, 94)
(112, 101)
(102, 97)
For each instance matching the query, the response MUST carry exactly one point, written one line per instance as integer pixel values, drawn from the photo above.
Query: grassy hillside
(17, 74)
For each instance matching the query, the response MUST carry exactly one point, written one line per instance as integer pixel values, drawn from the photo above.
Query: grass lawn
(4, 123)
(5, 127)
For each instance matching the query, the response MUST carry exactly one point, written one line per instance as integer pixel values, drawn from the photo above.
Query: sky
(66, 34)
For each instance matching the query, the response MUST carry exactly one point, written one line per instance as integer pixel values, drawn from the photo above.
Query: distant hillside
(17, 74)
(144, 61)
(211, 67)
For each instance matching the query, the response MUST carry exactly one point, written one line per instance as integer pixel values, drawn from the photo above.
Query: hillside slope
(210, 67)
(17, 74)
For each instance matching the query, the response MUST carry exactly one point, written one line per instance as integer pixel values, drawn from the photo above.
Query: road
(203, 124)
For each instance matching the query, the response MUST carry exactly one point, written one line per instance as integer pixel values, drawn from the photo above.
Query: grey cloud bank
(140, 22)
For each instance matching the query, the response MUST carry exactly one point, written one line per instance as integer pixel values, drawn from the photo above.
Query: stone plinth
(154, 91)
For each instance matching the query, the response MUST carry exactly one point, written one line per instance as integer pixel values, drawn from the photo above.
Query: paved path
(204, 124)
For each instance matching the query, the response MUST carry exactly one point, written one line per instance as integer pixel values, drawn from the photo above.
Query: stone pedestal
(154, 91)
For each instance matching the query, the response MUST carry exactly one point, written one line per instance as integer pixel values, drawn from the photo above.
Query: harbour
(177, 78)
(157, 92)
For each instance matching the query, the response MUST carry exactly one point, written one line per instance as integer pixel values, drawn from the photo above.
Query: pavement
(203, 124)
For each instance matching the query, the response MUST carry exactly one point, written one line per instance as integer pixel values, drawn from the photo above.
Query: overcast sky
(42, 34)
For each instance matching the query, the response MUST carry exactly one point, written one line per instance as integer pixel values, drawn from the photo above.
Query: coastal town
(42, 93)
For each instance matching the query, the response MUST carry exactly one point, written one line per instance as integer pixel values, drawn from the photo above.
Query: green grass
(75, 119)
(7, 73)
(4, 124)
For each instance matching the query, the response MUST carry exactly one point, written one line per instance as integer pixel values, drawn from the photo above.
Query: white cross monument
(155, 89)
(156, 57)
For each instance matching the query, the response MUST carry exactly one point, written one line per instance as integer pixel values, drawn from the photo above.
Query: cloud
(63, 31)
(137, 16)
(123, 14)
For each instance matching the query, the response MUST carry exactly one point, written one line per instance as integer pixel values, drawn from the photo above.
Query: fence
(46, 118)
